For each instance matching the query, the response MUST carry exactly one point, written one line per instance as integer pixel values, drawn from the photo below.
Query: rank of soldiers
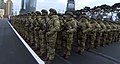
(59, 33)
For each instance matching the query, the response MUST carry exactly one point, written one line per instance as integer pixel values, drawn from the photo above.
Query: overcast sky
(60, 5)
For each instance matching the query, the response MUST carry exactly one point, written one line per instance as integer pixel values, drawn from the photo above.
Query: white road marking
(28, 47)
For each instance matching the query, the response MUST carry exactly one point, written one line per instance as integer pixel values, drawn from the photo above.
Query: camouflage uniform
(70, 25)
(75, 34)
(116, 32)
(113, 32)
(83, 27)
(119, 33)
(108, 33)
(27, 25)
(36, 30)
(31, 28)
(91, 36)
(22, 26)
(53, 26)
(18, 27)
(42, 33)
(117, 37)
(92, 33)
(59, 35)
(98, 34)
(103, 32)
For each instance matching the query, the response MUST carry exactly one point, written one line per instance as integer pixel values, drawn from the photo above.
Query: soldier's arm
(56, 26)
(31, 24)
(79, 26)
(74, 26)
(88, 27)
(107, 28)
(84, 31)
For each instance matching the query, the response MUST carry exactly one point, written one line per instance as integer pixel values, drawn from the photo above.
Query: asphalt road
(89, 57)
(12, 51)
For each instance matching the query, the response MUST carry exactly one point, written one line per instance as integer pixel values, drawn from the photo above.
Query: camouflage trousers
(42, 42)
(90, 40)
(67, 42)
(27, 34)
(36, 38)
(97, 40)
(119, 36)
(109, 38)
(51, 43)
(22, 30)
(59, 41)
(75, 38)
(112, 38)
(31, 37)
(116, 36)
(103, 39)
(81, 41)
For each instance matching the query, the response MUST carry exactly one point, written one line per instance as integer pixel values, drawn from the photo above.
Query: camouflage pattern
(70, 28)
(84, 27)
(103, 34)
(36, 30)
(42, 33)
(59, 33)
(27, 25)
(31, 29)
(53, 25)
(91, 36)
(108, 35)
(98, 34)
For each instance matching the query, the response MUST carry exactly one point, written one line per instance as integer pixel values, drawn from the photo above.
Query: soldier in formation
(70, 26)
(54, 33)
(53, 26)
(43, 19)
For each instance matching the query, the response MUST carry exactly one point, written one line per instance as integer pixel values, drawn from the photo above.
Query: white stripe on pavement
(28, 47)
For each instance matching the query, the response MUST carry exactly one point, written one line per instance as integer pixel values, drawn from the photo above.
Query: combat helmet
(69, 13)
(37, 13)
(53, 10)
(44, 11)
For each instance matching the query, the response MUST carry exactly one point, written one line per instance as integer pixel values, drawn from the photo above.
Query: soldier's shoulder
(55, 16)
(74, 21)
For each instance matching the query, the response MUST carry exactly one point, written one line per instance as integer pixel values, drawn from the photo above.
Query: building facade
(1, 13)
(8, 8)
(28, 6)
(31, 5)
(1, 8)
(1, 4)
(5, 9)
(23, 7)
(70, 5)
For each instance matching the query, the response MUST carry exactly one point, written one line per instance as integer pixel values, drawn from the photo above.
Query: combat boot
(65, 56)
(81, 51)
(43, 56)
(49, 62)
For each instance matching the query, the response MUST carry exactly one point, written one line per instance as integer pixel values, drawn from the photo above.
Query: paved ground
(12, 51)
(94, 57)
